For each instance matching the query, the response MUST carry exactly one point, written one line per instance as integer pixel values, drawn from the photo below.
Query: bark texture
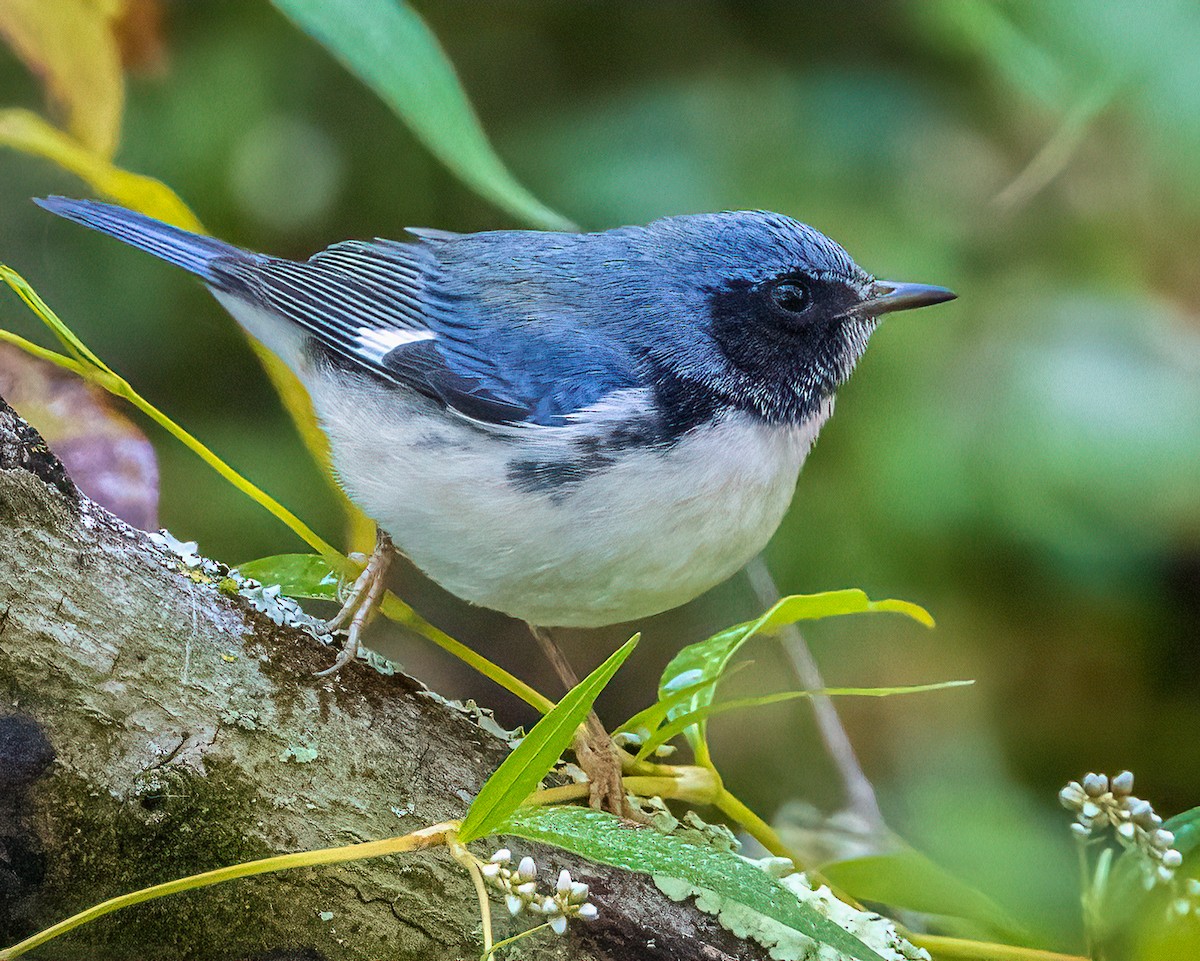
(153, 727)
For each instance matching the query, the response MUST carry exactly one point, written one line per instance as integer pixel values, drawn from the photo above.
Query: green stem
(507, 941)
(121, 388)
(425, 838)
(680, 788)
(471, 863)
(961, 948)
(395, 609)
(755, 826)
(42, 353)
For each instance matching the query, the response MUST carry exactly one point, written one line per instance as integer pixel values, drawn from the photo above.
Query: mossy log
(153, 727)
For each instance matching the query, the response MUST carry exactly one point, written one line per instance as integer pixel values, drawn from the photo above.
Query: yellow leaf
(70, 45)
(29, 133)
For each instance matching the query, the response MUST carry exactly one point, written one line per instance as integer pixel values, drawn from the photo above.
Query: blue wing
(377, 307)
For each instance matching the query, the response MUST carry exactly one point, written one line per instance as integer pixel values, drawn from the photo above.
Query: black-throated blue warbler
(574, 429)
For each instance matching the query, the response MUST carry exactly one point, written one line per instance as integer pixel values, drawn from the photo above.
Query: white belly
(648, 533)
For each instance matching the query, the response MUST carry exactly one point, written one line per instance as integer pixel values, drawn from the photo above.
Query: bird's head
(785, 311)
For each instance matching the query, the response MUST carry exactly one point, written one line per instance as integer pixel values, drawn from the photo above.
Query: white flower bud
(514, 904)
(1072, 796)
(527, 890)
(503, 856)
(1095, 785)
(559, 924)
(588, 912)
(1122, 784)
(1138, 809)
(527, 869)
(564, 882)
(490, 870)
(1172, 858)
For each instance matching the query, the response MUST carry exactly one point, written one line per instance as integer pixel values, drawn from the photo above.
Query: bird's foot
(362, 602)
(600, 760)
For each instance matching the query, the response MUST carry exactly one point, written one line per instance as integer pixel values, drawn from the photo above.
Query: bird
(575, 429)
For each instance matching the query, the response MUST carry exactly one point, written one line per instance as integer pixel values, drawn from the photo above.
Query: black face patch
(792, 340)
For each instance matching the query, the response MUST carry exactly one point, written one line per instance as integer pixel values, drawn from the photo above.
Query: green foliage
(909, 880)
(608, 840)
(533, 758)
(389, 47)
(1141, 923)
(708, 660)
(298, 575)
(697, 717)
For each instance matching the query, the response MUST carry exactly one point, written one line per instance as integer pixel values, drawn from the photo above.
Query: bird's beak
(888, 295)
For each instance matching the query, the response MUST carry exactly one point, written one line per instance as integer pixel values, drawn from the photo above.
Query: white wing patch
(376, 342)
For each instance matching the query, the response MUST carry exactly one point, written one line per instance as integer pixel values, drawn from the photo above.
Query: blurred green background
(1025, 462)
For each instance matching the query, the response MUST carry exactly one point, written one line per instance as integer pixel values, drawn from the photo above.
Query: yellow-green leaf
(517, 778)
(31, 134)
(69, 45)
(710, 658)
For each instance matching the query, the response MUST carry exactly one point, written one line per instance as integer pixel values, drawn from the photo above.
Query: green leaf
(651, 718)
(710, 658)
(608, 840)
(1133, 915)
(685, 721)
(391, 49)
(298, 575)
(533, 758)
(908, 879)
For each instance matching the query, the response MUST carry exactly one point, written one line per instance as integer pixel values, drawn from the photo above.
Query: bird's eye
(791, 296)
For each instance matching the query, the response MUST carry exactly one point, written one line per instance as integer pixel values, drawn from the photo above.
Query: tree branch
(153, 727)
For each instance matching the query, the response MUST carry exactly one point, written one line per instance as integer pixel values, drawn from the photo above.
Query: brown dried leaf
(105, 453)
(141, 36)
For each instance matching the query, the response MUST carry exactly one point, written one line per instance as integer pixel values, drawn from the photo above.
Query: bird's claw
(362, 603)
(600, 760)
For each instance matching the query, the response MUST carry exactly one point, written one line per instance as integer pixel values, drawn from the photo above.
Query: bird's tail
(192, 252)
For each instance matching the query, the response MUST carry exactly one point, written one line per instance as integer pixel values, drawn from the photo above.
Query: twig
(860, 795)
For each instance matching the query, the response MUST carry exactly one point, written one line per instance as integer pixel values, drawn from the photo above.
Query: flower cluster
(1101, 802)
(520, 889)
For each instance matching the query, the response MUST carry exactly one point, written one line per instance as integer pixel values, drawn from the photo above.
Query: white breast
(649, 532)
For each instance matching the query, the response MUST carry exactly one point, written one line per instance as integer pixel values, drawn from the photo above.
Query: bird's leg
(362, 603)
(598, 756)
